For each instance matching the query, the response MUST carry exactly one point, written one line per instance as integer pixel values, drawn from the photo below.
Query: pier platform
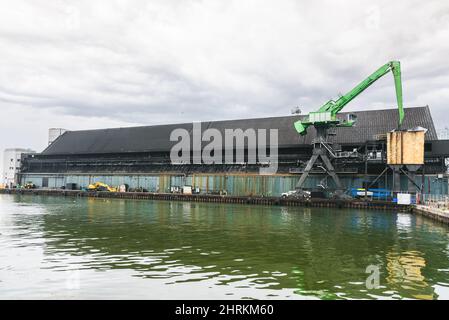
(437, 214)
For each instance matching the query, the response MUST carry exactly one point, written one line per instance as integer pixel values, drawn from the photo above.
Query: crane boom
(327, 114)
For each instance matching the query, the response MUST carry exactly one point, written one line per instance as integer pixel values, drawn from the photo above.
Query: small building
(11, 165)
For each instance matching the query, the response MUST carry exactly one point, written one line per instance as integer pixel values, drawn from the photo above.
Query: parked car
(288, 194)
(296, 194)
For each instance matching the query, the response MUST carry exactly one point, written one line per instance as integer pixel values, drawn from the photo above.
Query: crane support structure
(326, 117)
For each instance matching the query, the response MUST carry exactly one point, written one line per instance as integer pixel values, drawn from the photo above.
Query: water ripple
(51, 245)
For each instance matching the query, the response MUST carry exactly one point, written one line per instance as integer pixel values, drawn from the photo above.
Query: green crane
(326, 117)
(327, 114)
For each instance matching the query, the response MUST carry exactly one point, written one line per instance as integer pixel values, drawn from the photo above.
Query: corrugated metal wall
(241, 185)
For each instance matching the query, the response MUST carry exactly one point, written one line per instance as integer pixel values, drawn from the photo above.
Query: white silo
(54, 133)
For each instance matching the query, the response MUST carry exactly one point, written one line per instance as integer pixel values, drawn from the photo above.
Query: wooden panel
(405, 147)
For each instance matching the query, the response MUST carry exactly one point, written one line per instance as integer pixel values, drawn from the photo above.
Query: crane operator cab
(351, 117)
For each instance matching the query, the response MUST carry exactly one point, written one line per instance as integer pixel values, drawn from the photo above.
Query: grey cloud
(155, 62)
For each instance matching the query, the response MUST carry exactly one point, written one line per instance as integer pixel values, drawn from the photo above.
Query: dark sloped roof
(374, 122)
(157, 138)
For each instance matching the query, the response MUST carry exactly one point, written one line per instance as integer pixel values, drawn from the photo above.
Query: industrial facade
(140, 157)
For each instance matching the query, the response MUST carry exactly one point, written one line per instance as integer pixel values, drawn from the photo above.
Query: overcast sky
(96, 64)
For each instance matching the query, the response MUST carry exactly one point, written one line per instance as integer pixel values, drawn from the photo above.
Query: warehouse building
(140, 157)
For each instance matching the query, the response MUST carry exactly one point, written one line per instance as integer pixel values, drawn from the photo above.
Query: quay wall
(432, 213)
(329, 203)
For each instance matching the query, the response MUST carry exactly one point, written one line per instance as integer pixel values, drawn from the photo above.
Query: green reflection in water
(245, 251)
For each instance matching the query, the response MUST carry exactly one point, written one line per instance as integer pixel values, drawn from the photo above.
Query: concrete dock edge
(329, 203)
(432, 213)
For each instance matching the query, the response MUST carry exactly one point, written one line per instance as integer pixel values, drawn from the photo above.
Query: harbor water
(93, 248)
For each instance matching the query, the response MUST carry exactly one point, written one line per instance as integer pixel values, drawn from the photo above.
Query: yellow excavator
(99, 186)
